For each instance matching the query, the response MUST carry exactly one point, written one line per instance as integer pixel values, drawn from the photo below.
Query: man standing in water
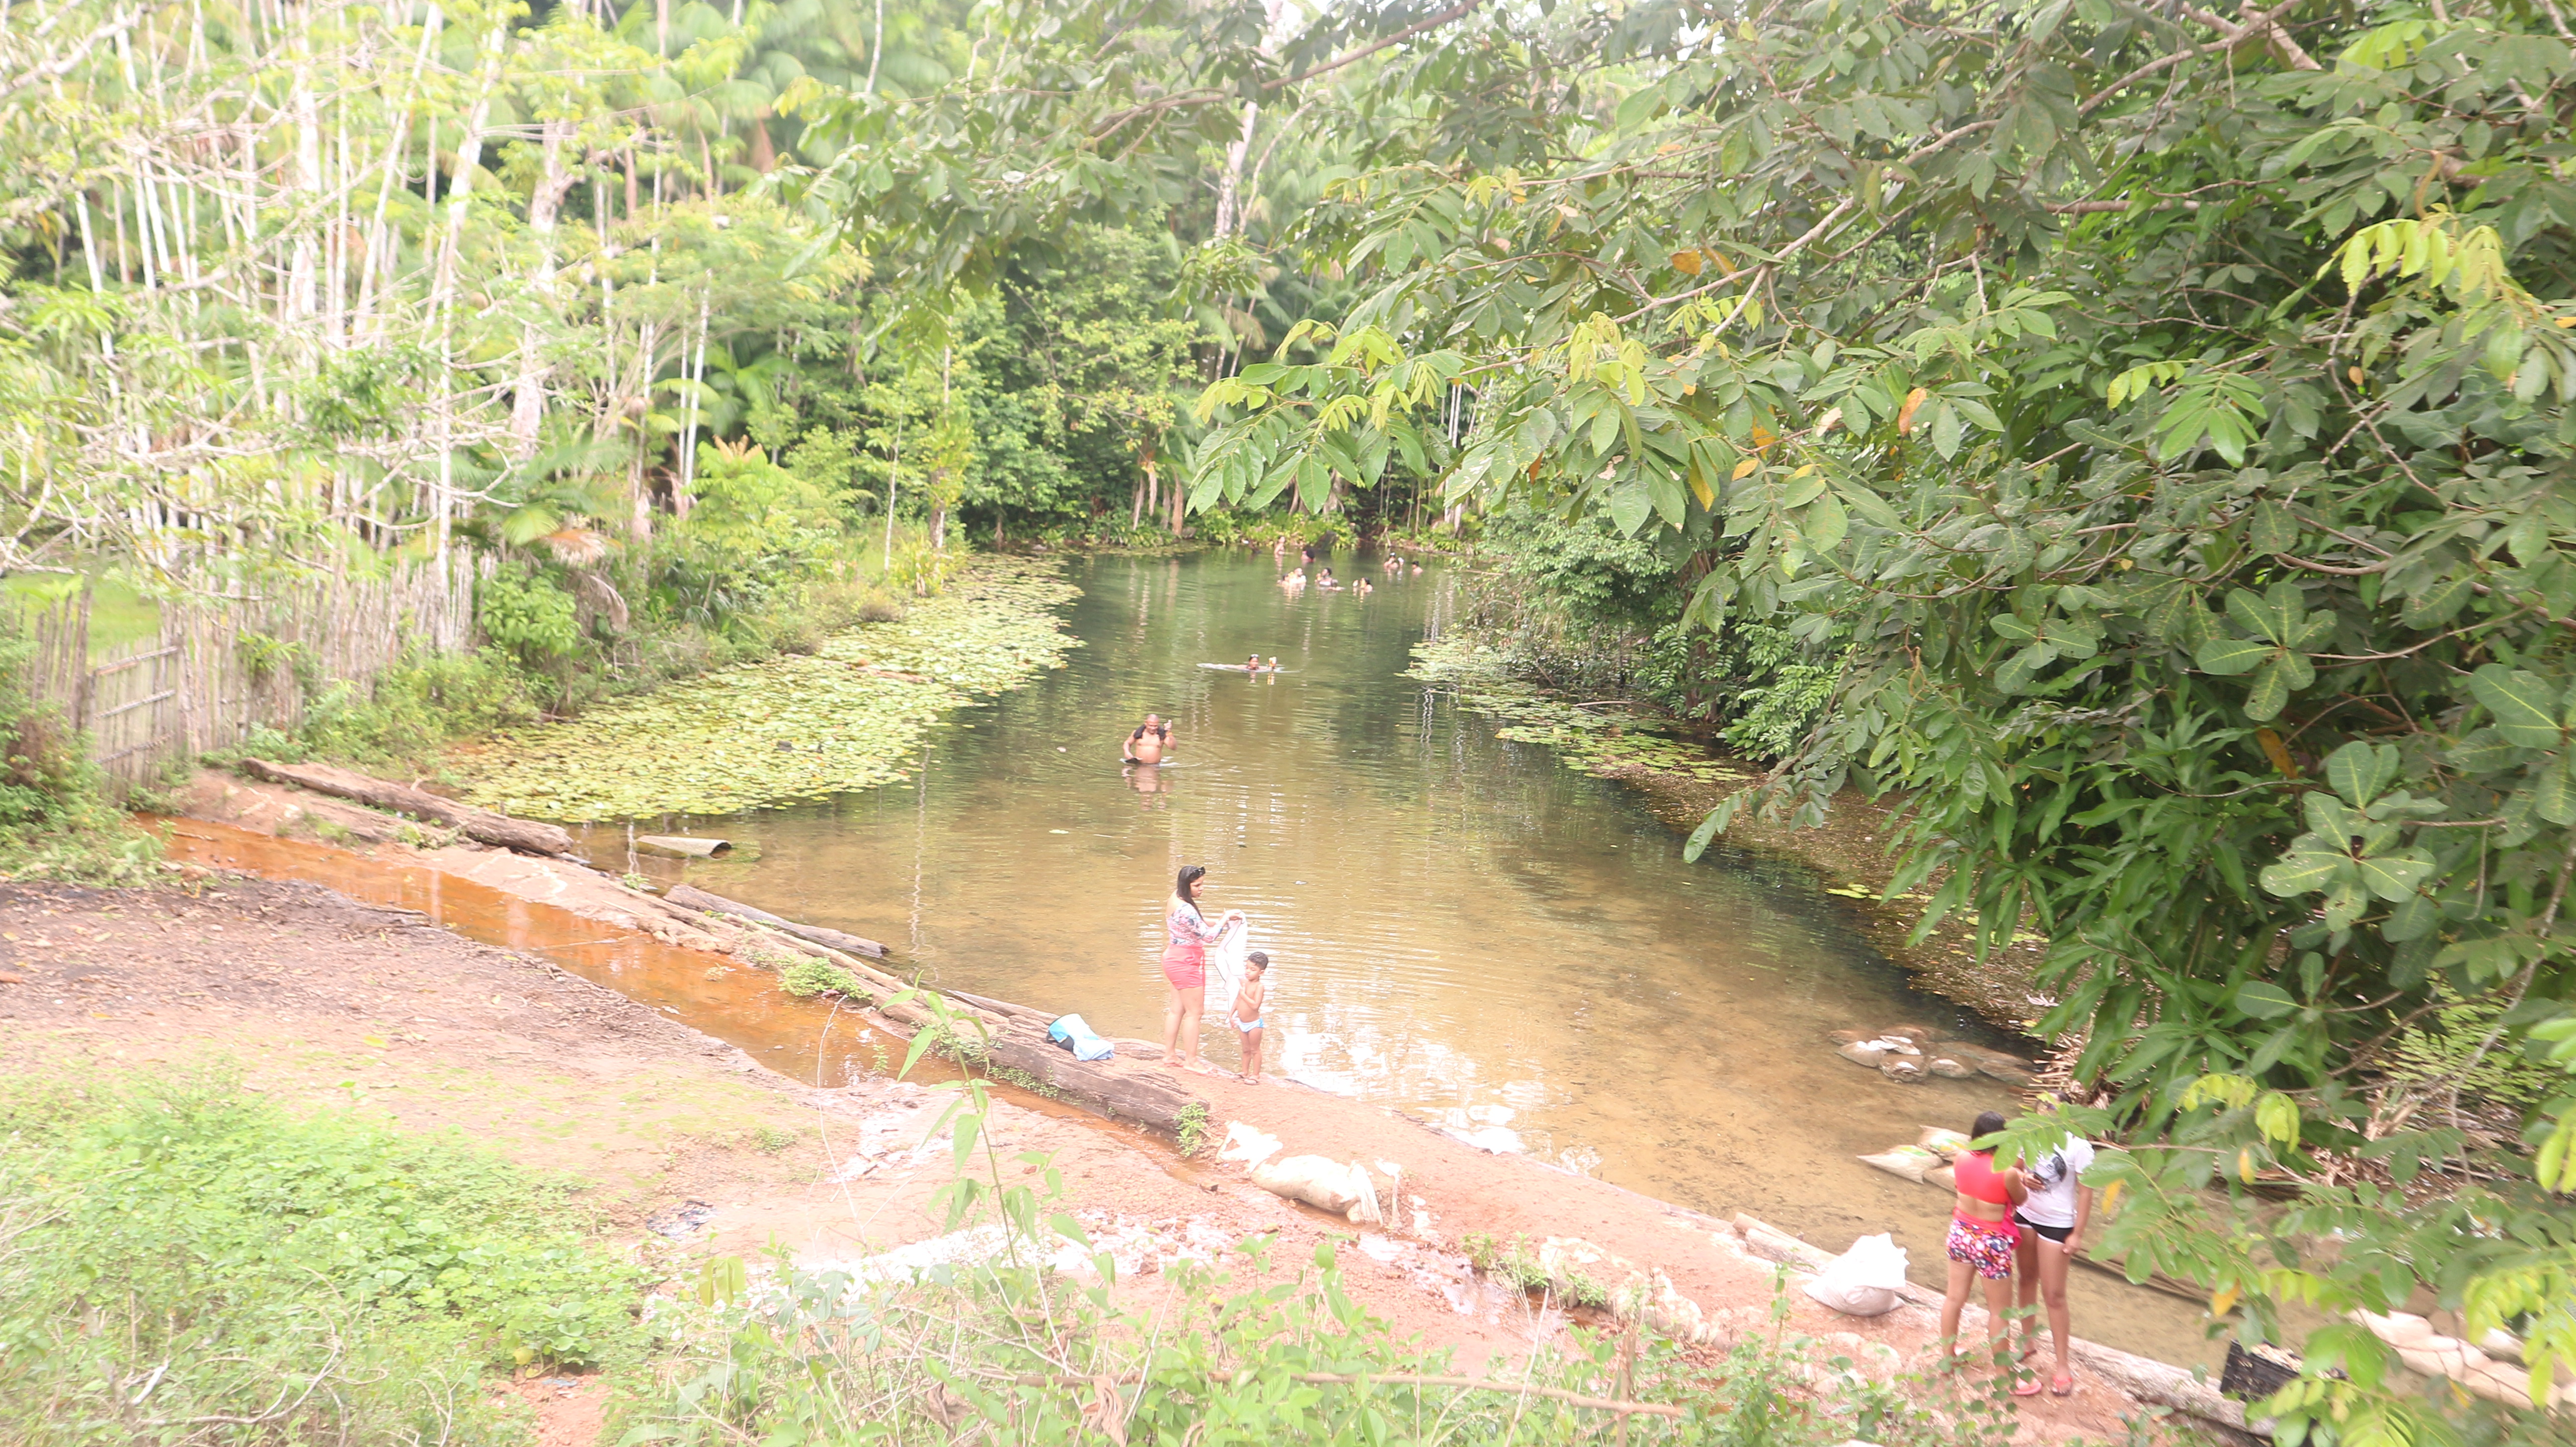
(1147, 745)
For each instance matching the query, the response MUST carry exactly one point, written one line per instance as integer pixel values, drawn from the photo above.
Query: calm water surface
(1460, 926)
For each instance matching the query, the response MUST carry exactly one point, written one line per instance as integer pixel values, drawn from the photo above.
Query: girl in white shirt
(2053, 1219)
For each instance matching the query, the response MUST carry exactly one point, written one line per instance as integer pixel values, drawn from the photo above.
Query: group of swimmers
(2027, 1220)
(1295, 580)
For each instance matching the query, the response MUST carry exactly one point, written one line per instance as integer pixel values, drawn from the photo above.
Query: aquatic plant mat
(790, 728)
(1604, 739)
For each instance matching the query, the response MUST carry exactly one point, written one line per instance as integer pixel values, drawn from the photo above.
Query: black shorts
(2057, 1234)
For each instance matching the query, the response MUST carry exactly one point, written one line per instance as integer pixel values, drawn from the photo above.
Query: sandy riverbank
(323, 999)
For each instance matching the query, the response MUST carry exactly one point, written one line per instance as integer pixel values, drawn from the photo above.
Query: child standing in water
(1246, 1018)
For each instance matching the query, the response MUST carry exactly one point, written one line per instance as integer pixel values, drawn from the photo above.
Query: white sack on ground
(1862, 1281)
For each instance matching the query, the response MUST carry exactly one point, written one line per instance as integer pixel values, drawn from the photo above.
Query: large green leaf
(2264, 1000)
(2361, 771)
(2393, 877)
(2523, 703)
(2304, 870)
(2229, 656)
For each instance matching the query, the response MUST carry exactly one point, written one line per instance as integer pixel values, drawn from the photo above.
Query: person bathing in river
(1253, 664)
(2052, 1221)
(1363, 587)
(1187, 935)
(1982, 1240)
(1326, 581)
(1147, 745)
(1246, 1018)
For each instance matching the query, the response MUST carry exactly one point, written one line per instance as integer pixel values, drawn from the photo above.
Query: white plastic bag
(1863, 1280)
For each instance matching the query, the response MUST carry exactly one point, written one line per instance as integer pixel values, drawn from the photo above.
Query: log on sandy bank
(1008, 1041)
(481, 825)
(689, 896)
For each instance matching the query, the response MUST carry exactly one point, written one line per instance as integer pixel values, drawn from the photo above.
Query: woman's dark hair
(1987, 1124)
(1187, 888)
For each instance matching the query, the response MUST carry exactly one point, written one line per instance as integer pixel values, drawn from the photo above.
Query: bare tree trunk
(1229, 192)
(681, 497)
(469, 154)
(545, 204)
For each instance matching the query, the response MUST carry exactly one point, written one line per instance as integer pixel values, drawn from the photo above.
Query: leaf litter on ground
(790, 728)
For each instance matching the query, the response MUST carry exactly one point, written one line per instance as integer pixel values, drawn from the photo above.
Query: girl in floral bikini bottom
(1983, 1239)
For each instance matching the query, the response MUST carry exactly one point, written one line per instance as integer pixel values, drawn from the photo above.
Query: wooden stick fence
(219, 668)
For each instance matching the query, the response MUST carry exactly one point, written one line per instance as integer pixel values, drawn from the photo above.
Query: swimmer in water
(1147, 745)
(1253, 664)
(1363, 586)
(1326, 581)
(1274, 663)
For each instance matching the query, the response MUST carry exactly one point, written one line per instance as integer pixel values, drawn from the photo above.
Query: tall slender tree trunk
(469, 155)
(545, 205)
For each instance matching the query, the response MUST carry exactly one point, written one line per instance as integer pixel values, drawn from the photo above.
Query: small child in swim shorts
(1246, 1018)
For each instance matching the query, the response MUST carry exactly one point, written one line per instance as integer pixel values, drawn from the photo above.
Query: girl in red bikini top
(1978, 1180)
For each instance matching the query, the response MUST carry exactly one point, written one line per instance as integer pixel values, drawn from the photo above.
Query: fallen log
(1038, 1018)
(689, 896)
(680, 846)
(1005, 1040)
(481, 825)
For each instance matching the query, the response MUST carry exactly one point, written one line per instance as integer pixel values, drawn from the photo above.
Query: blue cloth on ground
(1070, 1030)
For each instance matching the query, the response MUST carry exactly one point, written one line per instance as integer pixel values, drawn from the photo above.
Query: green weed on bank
(186, 1262)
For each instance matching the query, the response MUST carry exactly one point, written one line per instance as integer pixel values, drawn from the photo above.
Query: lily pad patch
(791, 728)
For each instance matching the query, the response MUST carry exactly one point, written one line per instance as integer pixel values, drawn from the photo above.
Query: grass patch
(1195, 1127)
(805, 977)
(1519, 1267)
(183, 1253)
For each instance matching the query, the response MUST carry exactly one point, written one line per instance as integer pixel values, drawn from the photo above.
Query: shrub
(522, 610)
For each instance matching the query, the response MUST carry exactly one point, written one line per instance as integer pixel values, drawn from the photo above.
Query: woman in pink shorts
(1982, 1239)
(1187, 935)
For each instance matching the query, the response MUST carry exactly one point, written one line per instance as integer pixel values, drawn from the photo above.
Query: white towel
(1225, 968)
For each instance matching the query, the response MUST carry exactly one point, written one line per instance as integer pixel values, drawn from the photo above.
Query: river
(1460, 926)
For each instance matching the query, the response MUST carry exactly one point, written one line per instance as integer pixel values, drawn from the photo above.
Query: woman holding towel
(1187, 935)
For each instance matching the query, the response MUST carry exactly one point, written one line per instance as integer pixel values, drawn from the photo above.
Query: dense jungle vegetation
(2139, 433)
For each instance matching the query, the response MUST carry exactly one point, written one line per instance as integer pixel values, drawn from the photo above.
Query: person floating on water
(1246, 1018)
(1253, 665)
(1363, 586)
(1274, 663)
(1326, 581)
(1147, 745)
